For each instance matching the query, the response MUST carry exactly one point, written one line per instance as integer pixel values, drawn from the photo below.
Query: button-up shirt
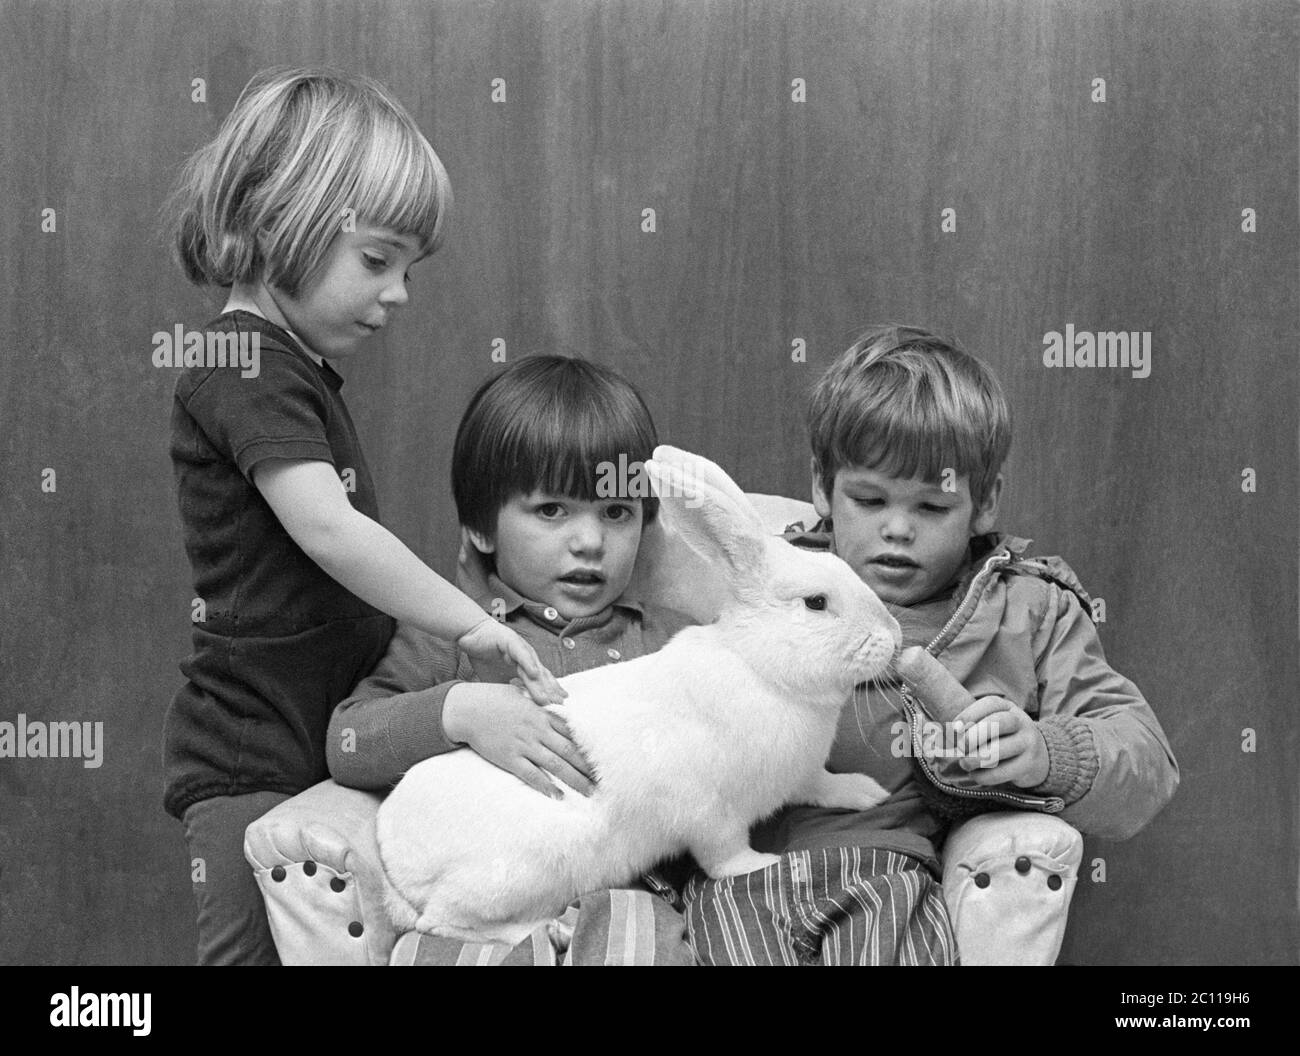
(393, 719)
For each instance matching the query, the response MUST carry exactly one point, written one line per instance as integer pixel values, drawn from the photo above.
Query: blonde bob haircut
(907, 403)
(302, 152)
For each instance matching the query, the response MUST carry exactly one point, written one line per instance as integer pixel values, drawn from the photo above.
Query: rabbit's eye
(816, 602)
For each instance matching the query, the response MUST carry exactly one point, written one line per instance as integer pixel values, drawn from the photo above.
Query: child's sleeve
(393, 718)
(280, 413)
(1109, 759)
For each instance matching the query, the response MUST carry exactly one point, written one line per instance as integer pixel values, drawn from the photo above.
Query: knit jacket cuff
(1072, 758)
(424, 731)
(438, 698)
(388, 740)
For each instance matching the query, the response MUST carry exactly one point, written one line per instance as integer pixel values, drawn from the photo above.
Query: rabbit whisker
(864, 690)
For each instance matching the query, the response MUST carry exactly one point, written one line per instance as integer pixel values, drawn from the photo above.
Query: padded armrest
(1007, 881)
(317, 864)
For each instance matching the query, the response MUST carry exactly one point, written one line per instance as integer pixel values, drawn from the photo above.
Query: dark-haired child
(549, 554)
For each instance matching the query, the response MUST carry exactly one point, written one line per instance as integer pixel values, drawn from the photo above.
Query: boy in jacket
(909, 434)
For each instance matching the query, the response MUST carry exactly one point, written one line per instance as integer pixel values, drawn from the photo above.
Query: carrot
(941, 696)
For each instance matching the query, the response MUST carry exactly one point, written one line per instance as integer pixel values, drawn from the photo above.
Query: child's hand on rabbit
(490, 640)
(995, 731)
(508, 730)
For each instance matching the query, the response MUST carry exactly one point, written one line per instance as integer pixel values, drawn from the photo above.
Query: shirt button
(613, 654)
(550, 613)
(568, 643)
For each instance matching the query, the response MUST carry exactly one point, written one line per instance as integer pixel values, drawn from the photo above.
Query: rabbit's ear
(672, 574)
(697, 469)
(704, 507)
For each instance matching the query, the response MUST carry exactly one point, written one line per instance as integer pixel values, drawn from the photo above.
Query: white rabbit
(689, 746)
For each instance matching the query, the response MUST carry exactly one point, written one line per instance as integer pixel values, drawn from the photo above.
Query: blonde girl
(310, 206)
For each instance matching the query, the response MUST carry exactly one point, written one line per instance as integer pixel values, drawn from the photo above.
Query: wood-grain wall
(776, 221)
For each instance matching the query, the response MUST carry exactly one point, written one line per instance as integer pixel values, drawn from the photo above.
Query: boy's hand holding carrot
(991, 728)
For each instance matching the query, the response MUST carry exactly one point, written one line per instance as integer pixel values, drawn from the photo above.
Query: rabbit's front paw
(746, 861)
(843, 792)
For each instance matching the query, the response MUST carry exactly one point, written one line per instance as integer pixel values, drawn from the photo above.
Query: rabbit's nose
(880, 615)
(897, 633)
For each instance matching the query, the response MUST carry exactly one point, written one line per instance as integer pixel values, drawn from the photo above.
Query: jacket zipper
(1046, 804)
(971, 592)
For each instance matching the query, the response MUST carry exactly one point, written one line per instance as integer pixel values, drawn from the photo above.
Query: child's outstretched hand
(493, 640)
(1002, 744)
(510, 731)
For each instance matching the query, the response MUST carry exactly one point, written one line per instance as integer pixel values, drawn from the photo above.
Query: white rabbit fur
(689, 746)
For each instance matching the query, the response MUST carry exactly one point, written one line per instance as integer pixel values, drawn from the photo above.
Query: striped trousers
(618, 927)
(844, 905)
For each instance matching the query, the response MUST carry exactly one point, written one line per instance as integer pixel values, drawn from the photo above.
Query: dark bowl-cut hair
(547, 423)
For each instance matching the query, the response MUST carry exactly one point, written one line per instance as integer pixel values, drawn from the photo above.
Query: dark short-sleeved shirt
(280, 643)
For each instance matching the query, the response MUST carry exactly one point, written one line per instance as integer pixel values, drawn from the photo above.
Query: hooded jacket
(1020, 628)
